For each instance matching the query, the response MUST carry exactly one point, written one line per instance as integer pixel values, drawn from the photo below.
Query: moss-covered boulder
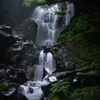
(89, 79)
(6, 40)
(28, 28)
(72, 53)
(86, 93)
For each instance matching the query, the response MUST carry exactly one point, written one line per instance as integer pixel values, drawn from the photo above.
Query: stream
(50, 25)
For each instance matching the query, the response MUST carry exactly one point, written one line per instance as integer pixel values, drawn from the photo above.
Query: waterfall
(50, 25)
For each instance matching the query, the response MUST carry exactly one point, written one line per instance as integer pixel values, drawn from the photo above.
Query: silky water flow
(50, 25)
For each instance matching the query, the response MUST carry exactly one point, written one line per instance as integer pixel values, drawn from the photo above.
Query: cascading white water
(50, 63)
(49, 26)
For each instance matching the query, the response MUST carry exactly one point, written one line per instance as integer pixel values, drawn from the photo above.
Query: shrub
(61, 12)
(60, 91)
(15, 33)
(3, 86)
(86, 93)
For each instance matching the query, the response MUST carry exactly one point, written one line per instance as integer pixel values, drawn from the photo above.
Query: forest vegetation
(83, 33)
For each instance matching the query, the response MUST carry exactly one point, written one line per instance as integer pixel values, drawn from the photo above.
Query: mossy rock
(3, 86)
(89, 79)
(86, 93)
(28, 29)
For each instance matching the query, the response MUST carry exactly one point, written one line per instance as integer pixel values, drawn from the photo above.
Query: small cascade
(50, 63)
(32, 90)
(42, 58)
(50, 25)
(47, 62)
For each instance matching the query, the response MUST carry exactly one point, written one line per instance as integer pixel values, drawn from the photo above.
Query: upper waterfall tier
(50, 24)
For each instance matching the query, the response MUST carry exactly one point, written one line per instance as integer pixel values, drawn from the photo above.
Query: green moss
(62, 12)
(59, 62)
(64, 37)
(86, 93)
(89, 79)
(3, 86)
(55, 49)
(15, 33)
(21, 41)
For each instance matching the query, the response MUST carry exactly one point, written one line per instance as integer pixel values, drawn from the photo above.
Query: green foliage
(61, 12)
(95, 57)
(19, 42)
(89, 38)
(86, 93)
(20, 35)
(3, 86)
(30, 2)
(92, 57)
(15, 33)
(64, 37)
(55, 49)
(81, 24)
(72, 62)
(77, 25)
(59, 62)
(60, 91)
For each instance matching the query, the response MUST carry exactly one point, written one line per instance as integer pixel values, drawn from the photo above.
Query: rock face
(16, 57)
(28, 28)
(21, 57)
(6, 29)
(70, 54)
(21, 54)
(6, 40)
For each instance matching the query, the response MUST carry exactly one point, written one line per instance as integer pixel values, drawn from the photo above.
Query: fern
(60, 91)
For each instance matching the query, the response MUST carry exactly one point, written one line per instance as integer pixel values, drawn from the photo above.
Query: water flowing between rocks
(50, 25)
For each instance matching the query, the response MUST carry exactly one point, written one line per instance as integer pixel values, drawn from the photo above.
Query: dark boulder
(6, 40)
(28, 28)
(8, 94)
(21, 97)
(90, 78)
(2, 65)
(3, 74)
(22, 55)
(6, 29)
(35, 73)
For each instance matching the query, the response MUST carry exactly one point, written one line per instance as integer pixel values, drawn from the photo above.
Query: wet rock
(16, 75)
(6, 29)
(28, 28)
(90, 78)
(9, 94)
(15, 85)
(35, 73)
(2, 65)
(86, 93)
(22, 55)
(70, 54)
(31, 90)
(46, 50)
(69, 75)
(6, 40)
(3, 74)
(21, 97)
(20, 77)
(60, 53)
